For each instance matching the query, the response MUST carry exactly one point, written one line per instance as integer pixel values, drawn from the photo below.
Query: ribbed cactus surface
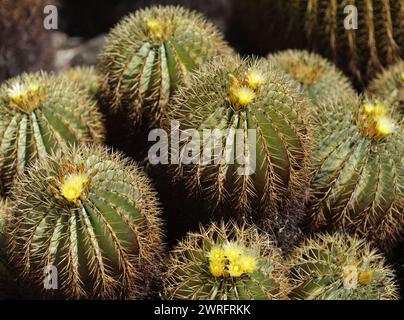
(38, 114)
(358, 181)
(338, 267)
(225, 262)
(270, 150)
(92, 215)
(152, 51)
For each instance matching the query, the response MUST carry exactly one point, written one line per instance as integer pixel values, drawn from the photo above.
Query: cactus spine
(388, 86)
(92, 215)
(225, 262)
(38, 114)
(359, 175)
(271, 114)
(338, 267)
(316, 77)
(152, 51)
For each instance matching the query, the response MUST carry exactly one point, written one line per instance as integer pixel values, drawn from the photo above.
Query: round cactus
(92, 215)
(86, 78)
(271, 147)
(359, 175)
(38, 114)
(389, 86)
(152, 51)
(316, 77)
(226, 262)
(339, 267)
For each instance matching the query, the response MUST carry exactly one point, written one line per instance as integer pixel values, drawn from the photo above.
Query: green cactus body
(38, 114)
(338, 267)
(86, 78)
(378, 41)
(225, 262)
(359, 175)
(92, 215)
(152, 51)
(316, 77)
(389, 86)
(244, 95)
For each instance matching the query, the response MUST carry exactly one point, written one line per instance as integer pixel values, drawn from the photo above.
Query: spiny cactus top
(92, 215)
(317, 77)
(39, 113)
(329, 26)
(338, 267)
(389, 86)
(359, 175)
(150, 52)
(86, 78)
(225, 262)
(271, 118)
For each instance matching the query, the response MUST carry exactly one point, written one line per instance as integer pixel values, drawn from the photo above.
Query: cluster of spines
(92, 215)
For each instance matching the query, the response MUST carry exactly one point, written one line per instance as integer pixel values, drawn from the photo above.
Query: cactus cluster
(388, 86)
(226, 262)
(235, 94)
(38, 114)
(92, 215)
(316, 76)
(339, 267)
(149, 53)
(359, 175)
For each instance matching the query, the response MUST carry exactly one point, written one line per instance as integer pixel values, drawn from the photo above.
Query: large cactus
(92, 215)
(378, 41)
(149, 53)
(359, 175)
(339, 267)
(38, 114)
(226, 262)
(315, 76)
(389, 86)
(273, 138)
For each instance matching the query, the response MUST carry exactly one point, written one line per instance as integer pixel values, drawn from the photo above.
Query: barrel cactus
(359, 175)
(339, 267)
(38, 114)
(94, 216)
(258, 163)
(389, 86)
(86, 78)
(149, 53)
(226, 262)
(315, 76)
(329, 27)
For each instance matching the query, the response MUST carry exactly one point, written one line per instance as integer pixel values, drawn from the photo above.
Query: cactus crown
(225, 262)
(25, 96)
(340, 267)
(374, 121)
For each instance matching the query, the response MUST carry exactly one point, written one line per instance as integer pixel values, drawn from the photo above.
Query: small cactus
(149, 53)
(339, 267)
(232, 93)
(359, 175)
(225, 262)
(38, 114)
(316, 77)
(389, 86)
(92, 215)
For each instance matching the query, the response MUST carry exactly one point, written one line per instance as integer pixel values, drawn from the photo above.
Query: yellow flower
(153, 25)
(380, 109)
(365, 277)
(216, 254)
(255, 79)
(232, 251)
(402, 76)
(216, 268)
(73, 187)
(244, 96)
(235, 269)
(248, 264)
(368, 108)
(384, 126)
